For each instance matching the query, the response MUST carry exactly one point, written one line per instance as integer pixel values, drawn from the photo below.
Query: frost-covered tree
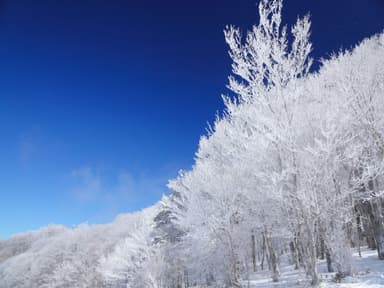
(279, 160)
(266, 70)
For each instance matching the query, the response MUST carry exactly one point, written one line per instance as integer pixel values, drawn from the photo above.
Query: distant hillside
(56, 256)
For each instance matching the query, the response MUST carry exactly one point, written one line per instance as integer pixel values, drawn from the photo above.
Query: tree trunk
(371, 243)
(322, 248)
(359, 234)
(254, 253)
(377, 209)
(373, 210)
(273, 263)
(313, 263)
(329, 261)
(236, 274)
(309, 242)
(263, 253)
(294, 245)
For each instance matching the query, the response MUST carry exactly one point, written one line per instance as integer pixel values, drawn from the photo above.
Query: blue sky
(103, 101)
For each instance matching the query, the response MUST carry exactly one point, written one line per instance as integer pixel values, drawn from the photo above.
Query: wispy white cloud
(119, 191)
(87, 184)
(125, 184)
(28, 144)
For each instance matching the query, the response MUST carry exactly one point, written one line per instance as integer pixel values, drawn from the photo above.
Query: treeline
(293, 169)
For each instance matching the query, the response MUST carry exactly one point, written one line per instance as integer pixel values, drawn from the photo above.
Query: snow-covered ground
(368, 272)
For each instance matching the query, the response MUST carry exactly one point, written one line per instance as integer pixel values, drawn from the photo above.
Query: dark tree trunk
(329, 261)
(272, 260)
(263, 253)
(359, 234)
(322, 248)
(377, 208)
(373, 210)
(295, 252)
(254, 253)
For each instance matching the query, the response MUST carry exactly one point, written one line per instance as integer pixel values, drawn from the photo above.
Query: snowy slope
(368, 272)
(56, 256)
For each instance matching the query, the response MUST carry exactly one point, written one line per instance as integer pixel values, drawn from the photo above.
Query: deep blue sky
(103, 101)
